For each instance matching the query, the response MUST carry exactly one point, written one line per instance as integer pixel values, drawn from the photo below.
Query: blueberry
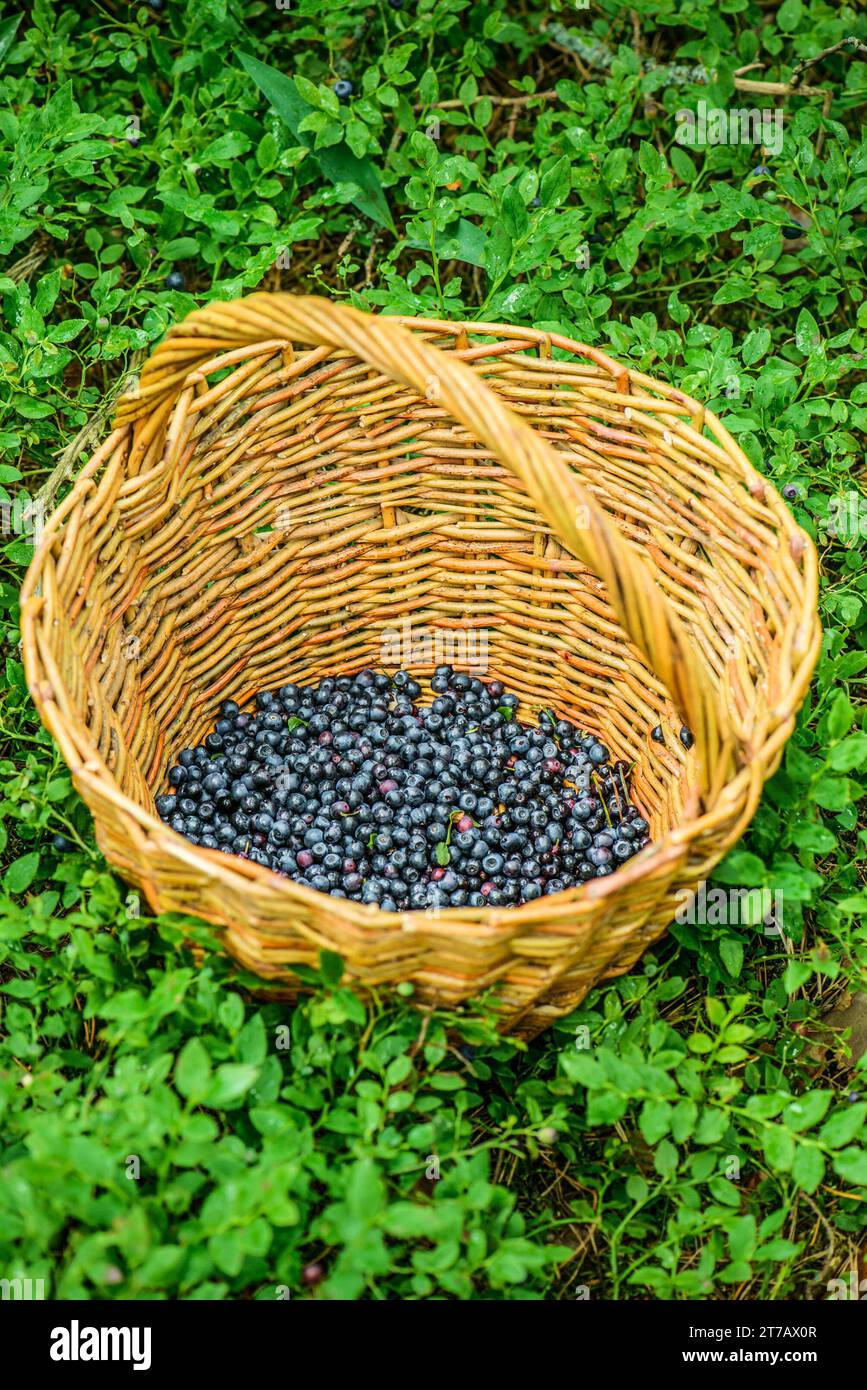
(686, 737)
(343, 89)
(367, 795)
(175, 280)
(493, 863)
(61, 844)
(790, 492)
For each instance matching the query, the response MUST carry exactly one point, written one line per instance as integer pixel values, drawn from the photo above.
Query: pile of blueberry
(351, 788)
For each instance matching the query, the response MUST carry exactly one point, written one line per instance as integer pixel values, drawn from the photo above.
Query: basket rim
(662, 855)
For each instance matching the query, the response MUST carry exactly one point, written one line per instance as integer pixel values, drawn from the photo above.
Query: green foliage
(696, 1129)
(205, 1147)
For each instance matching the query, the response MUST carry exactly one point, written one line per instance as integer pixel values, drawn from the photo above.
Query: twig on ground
(822, 1276)
(637, 40)
(368, 264)
(855, 45)
(346, 243)
(24, 268)
(457, 104)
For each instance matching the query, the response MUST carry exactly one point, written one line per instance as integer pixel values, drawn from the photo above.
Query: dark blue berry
(368, 797)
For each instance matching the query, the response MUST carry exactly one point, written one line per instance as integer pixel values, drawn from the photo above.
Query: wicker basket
(402, 490)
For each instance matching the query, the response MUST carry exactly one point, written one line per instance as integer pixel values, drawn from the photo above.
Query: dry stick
(68, 457)
(801, 67)
(636, 31)
(368, 264)
(831, 1248)
(456, 104)
(774, 89)
(584, 72)
(347, 242)
(23, 269)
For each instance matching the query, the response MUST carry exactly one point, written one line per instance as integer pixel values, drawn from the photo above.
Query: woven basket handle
(275, 320)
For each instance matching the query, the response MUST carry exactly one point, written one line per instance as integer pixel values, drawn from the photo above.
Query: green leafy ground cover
(696, 1130)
